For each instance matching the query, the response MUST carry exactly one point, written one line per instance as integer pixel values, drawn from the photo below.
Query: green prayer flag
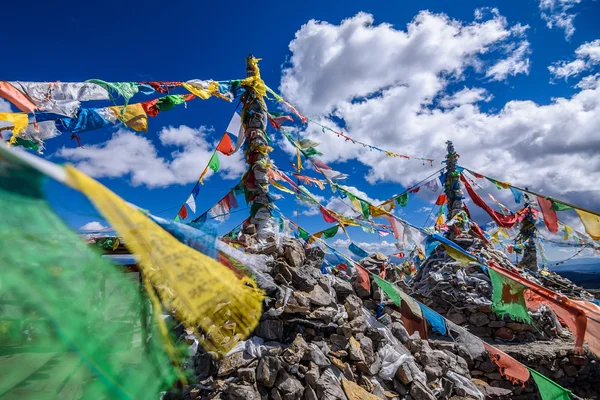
(311, 152)
(556, 206)
(73, 320)
(549, 390)
(365, 209)
(303, 234)
(331, 232)
(28, 144)
(389, 289)
(507, 297)
(168, 102)
(214, 162)
(402, 200)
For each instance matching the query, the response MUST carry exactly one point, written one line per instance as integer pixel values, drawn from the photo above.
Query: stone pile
(318, 340)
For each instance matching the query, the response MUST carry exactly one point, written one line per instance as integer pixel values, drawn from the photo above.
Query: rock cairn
(317, 339)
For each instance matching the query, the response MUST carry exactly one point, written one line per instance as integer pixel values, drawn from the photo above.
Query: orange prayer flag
(509, 367)
(442, 199)
(363, 275)
(226, 145)
(183, 212)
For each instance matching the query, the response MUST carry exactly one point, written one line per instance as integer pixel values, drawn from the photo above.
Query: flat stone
(295, 351)
(400, 332)
(247, 375)
(319, 297)
(315, 355)
(303, 278)
(353, 306)
(517, 327)
(314, 257)
(234, 362)
(457, 317)
(241, 392)
(342, 288)
(496, 324)
(491, 392)
(294, 253)
(355, 392)
(309, 394)
(403, 374)
(325, 314)
(504, 334)
(354, 350)
(328, 388)
(359, 325)
(312, 375)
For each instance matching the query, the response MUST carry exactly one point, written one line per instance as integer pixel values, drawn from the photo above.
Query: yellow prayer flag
(281, 187)
(458, 256)
(203, 292)
(376, 211)
(388, 205)
(591, 223)
(202, 89)
(18, 120)
(503, 233)
(299, 164)
(134, 116)
(504, 185)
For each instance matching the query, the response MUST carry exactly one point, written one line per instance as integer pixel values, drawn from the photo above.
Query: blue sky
(121, 41)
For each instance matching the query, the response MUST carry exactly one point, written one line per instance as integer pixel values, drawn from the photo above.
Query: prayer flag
(550, 218)
(303, 234)
(432, 185)
(517, 194)
(442, 199)
(327, 216)
(364, 206)
(377, 211)
(402, 200)
(330, 232)
(10, 93)
(507, 298)
(549, 390)
(226, 145)
(214, 162)
(383, 233)
(591, 222)
(557, 206)
(505, 221)
(510, 368)
(19, 121)
(363, 277)
(182, 212)
(191, 202)
(436, 321)
(133, 116)
(397, 228)
(357, 250)
(227, 309)
(57, 288)
(388, 289)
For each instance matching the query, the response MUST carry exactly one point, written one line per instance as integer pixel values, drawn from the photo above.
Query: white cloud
(424, 209)
(344, 206)
(383, 246)
(516, 63)
(466, 96)
(92, 226)
(129, 154)
(558, 13)
(391, 103)
(311, 211)
(587, 56)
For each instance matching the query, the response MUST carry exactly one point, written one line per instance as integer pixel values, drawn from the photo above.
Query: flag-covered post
(527, 235)
(452, 187)
(256, 180)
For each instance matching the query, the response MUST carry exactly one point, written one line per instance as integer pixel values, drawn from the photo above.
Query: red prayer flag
(150, 107)
(442, 199)
(278, 121)
(505, 221)
(327, 216)
(363, 276)
(414, 190)
(183, 212)
(509, 367)
(226, 145)
(550, 218)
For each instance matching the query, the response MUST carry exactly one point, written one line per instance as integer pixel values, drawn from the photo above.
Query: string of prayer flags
(279, 186)
(220, 211)
(591, 222)
(510, 368)
(357, 250)
(507, 298)
(549, 390)
(505, 221)
(550, 218)
(213, 164)
(227, 309)
(204, 89)
(53, 287)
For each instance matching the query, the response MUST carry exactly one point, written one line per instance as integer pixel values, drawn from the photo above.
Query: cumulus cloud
(130, 154)
(558, 13)
(516, 63)
(92, 226)
(587, 56)
(383, 246)
(404, 103)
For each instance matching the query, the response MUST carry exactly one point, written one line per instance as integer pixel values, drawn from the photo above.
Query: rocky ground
(318, 338)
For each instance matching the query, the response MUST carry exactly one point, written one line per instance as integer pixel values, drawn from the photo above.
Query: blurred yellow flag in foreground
(203, 292)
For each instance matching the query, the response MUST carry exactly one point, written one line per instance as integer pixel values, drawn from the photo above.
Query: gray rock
(295, 351)
(419, 391)
(271, 329)
(325, 314)
(309, 394)
(457, 317)
(354, 350)
(316, 356)
(241, 392)
(404, 374)
(340, 341)
(288, 387)
(293, 252)
(353, 306)
(267, 370)
(342, 288)
(234, 362)
(319, 297)
(247, 375)
(205, 365)
(314, 257)
(328, 387)
(479, 319)
(303, 278)
(358, 325)
(492, 392)
(400, 332)
(312, 375)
